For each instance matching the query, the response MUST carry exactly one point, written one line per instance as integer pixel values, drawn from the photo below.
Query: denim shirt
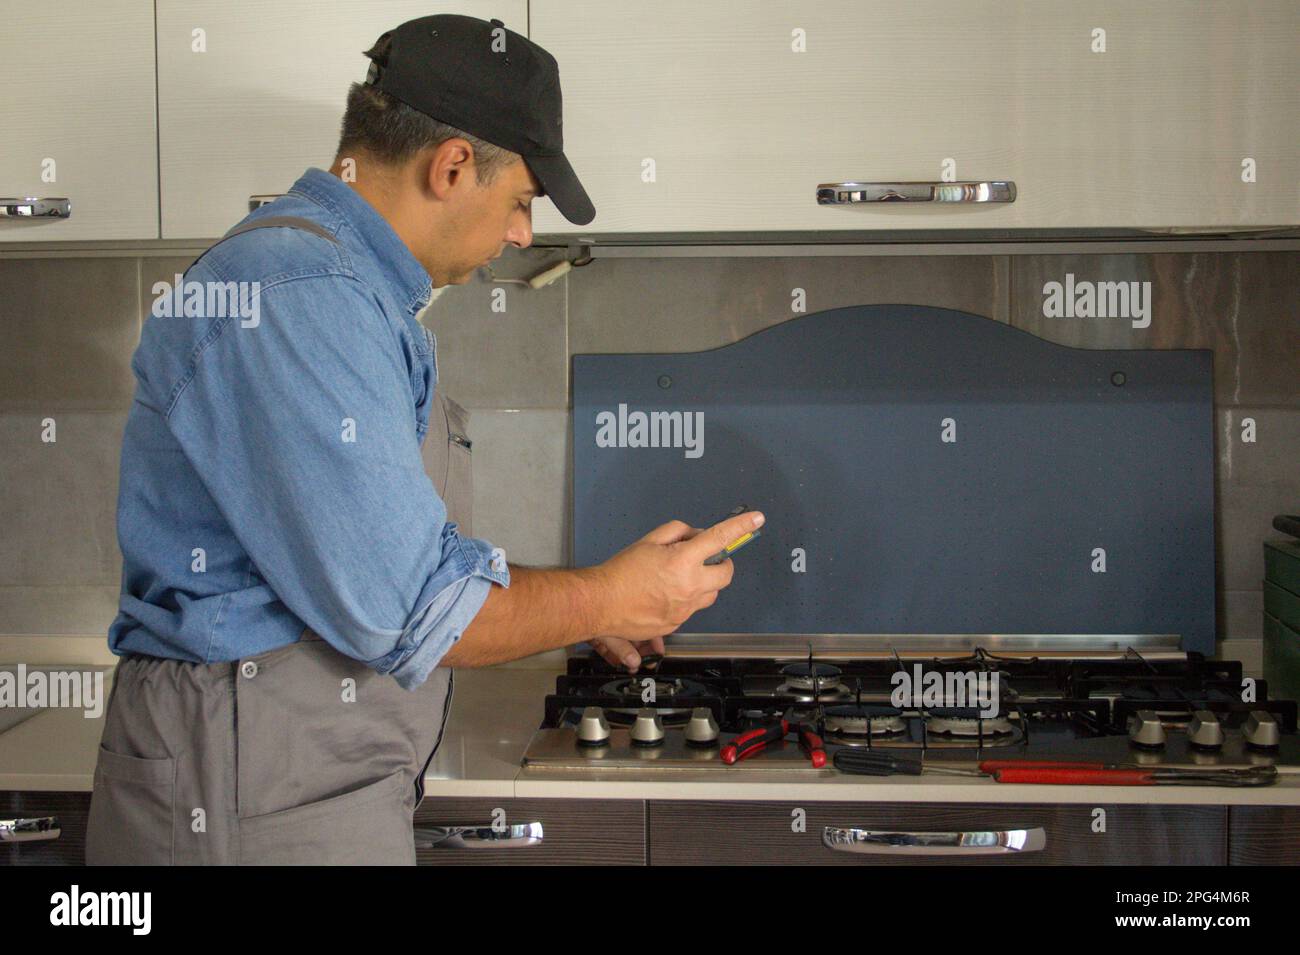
(271, 475)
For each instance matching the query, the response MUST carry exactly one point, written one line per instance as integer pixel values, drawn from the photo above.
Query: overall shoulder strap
(273, 222)
(282, 222)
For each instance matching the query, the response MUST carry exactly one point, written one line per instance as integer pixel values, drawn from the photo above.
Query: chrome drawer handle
(978, 842)
(41, 829)
(256, 202)
(31, 207)
(479, 837)
(848, 193)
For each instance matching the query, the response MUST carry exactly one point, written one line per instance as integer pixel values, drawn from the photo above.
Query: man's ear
(449, 164)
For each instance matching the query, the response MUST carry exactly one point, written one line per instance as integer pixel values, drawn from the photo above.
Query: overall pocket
(367, 826)
(132, 811)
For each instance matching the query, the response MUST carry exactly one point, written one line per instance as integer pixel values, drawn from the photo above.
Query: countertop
(494, 714)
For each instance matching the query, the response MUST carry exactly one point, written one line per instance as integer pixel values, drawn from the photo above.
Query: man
(294, 591)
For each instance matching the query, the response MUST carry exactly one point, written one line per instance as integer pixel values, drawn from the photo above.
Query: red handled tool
(991, 766)
(753, 742)
(812, 745)
(1114, 776)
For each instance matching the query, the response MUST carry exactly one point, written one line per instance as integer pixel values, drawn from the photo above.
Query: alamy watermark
(651, 429)
(182, 299)
(1084, 299)
(921, 690)
(22, 688)
(75, 907)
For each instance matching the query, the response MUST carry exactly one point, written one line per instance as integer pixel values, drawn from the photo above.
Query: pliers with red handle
(812, 745)
(754, 741)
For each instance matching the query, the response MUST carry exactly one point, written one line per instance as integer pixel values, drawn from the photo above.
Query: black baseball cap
(489, 81)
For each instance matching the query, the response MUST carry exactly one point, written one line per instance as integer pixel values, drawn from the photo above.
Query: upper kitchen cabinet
(686, 117)
(251, 94)
(78, 113)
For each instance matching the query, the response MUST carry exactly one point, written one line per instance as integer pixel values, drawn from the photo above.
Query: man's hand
(620, 652)
(656, 584)
(624, 606)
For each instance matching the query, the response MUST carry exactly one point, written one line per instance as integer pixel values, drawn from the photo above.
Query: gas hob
(1166, 709)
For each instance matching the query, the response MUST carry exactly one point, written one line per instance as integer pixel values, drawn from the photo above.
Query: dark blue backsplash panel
(832, 425)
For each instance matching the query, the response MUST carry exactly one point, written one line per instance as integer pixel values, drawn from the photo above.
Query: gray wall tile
(71, 610)
(1241, 615)
(1254, 483)
(521, 483)
(1244, 521)
(58, 509)
(690, 304)
(70, 327)
(1250, 653)
(1243, 306)
(1272, 460)
(503, 359)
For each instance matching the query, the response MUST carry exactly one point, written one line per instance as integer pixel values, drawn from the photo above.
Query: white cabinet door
(264, 99)
(77, 113)
(683, 116)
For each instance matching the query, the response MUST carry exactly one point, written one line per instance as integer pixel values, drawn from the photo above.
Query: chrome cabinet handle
(31, 207)
(479, 837)
(256, 202)
(41, 829)
(847, 193)
(977, 842)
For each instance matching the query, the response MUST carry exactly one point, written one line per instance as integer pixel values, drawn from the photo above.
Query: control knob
(702, 728)
(593, 728)
(1261, 730)
(1145, 728)
(648, 730)
(1205, 731)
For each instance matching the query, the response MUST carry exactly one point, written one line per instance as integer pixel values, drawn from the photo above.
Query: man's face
(477, 221)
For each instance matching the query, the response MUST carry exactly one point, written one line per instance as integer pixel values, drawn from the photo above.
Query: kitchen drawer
(575, 831)
(736, 833)
(71, 808)
(1264, 835)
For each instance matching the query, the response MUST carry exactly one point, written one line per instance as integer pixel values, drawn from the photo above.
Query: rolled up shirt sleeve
(302, 427)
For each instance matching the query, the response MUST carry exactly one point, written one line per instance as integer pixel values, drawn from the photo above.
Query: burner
(812, 682)
(966, 723)
(858, 725)
(632, 691)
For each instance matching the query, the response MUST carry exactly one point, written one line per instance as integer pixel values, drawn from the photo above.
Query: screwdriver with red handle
(1128, 776)
(1058, 772)
(1065, 773)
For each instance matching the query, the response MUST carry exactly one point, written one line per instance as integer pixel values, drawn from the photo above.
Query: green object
(1281, 659)
(1282, 605)
(1282, 564)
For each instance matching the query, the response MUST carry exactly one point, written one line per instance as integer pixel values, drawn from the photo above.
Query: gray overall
(300, 755)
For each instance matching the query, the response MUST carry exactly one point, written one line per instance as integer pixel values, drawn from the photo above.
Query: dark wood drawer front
(71, 808)
(722, 833)
(575, 831)
(1264, 835)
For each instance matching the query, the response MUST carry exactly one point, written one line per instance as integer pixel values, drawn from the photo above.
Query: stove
(1171, 709)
